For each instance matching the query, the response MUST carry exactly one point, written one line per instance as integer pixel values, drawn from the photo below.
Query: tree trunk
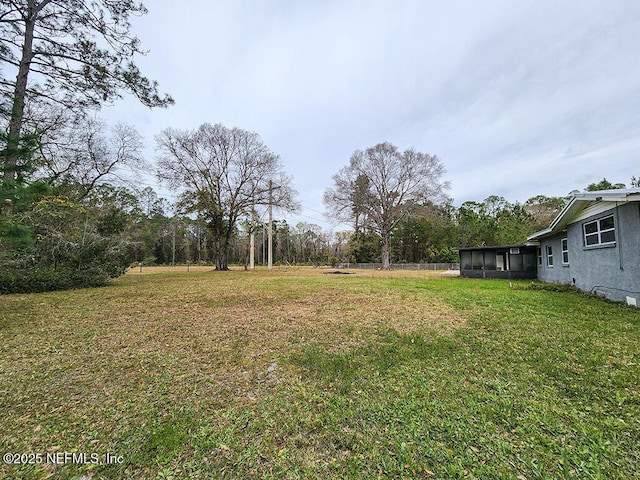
(222, 264)
(17, 108)
(386, 264)
(222, 245)
(221, 255)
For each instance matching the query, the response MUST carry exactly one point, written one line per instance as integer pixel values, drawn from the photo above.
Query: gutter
(542, 233)
(619, 237)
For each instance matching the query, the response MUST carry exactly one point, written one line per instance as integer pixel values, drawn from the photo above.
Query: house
(509, 261)
(594, 244)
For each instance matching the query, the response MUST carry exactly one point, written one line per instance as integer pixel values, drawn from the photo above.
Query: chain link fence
(402, 266)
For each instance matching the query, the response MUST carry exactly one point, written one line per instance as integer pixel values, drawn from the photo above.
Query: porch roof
(497, 247)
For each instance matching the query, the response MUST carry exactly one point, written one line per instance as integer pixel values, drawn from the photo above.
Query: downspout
(619, 237)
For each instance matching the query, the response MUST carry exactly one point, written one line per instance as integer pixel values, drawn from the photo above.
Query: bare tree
(83, 153)
(221, 174)
(381, 186)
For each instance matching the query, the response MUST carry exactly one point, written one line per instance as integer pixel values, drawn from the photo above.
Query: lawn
(295, 373)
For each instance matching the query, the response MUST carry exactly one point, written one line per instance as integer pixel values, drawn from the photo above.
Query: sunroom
(505, 261)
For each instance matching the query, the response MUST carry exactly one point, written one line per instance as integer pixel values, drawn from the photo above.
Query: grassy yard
(298, 374)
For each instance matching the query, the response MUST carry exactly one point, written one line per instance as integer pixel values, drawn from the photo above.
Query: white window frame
(549, 253)
(598, 232)
(539, 252)
(564, 244)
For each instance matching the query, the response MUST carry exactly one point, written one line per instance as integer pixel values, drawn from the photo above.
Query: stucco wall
(611, 271)
(558, 273)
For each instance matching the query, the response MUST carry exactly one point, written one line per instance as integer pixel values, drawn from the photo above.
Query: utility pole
(271, 188)
(173, 246)
(252, 241)
(270, 267)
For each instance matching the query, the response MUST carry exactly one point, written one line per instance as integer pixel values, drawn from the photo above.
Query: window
(539, 257)
(565, 252)
(599, 232)
(549, 256)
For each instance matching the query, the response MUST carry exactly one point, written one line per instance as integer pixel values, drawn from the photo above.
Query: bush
(59, 245)
(551, 287)
(44, 279)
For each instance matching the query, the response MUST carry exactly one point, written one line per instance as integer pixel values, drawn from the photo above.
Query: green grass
(295, 374)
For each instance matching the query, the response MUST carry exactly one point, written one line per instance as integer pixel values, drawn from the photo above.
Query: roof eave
(541, 234)
(578, 201)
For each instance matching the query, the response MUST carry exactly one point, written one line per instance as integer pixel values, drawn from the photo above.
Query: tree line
(72, 213)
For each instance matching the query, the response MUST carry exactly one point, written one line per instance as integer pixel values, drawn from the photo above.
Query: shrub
(44, 279)
(59, 246)
(551, 287)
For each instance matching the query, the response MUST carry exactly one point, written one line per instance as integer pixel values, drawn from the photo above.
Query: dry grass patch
(231, 327)
(206, 340)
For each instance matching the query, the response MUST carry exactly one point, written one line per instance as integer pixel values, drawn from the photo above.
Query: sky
(517, 98)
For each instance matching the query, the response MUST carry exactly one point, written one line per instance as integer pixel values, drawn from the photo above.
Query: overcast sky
(517, 98)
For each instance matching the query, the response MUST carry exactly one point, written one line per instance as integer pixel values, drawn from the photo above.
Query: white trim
(599, 232)
(596, 209)
(548, 251)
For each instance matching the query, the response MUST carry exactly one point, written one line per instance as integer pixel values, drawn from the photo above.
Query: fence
(402, 266)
